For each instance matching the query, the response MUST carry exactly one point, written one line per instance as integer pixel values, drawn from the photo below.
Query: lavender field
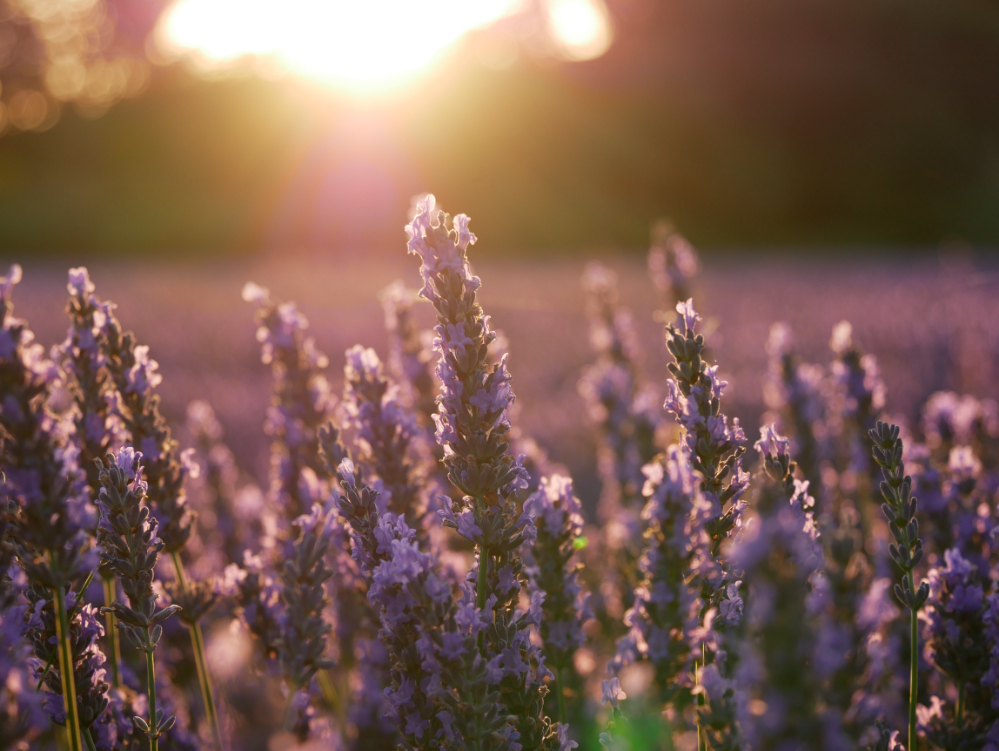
(677, 535)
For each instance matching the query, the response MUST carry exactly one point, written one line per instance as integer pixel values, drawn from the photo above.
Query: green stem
(66, 675)
(560, 695)
(89, 739)
(114, 646)
(482, 589)
(69, 617)
(702, 742)
(198, 647)
(151, 689)
(913, 670)
(960, 704)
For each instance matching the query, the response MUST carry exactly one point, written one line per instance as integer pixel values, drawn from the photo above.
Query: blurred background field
(931, 323)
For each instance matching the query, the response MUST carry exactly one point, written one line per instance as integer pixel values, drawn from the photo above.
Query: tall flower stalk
(715, 448)
(786, 627)
(553, 570)
(98, 427)
(127, 533)
(472, 428)
(52, 516)
(907, 550)
(439, 682)
(386, 435)
(304, 632)
(300, 405)
(165, 469)
(663, 624)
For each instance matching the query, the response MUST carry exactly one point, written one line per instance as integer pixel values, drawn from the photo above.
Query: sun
(364, 46)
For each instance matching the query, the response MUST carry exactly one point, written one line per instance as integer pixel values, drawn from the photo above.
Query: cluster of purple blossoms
(958, 624)
(672, 266)
(472, 426)
(664, 622)
(785, 627)
(83, 359)
(87, 660)
(553, 572)
(304, 632)
(301, 403)
(165, 467)
(387, 437)
(714, 445)
(52, 515)
(440, 687)
(130, 546)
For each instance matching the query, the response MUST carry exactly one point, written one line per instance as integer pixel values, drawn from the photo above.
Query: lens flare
(581, 28)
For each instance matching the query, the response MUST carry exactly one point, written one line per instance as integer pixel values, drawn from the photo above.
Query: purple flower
(611, 692)
(389, 441)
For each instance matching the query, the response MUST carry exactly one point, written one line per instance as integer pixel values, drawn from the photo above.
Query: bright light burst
(361, 46)
(355, 45)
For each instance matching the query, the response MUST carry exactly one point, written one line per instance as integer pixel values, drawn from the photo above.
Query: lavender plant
(387, 436)
(51, 515)
(786, 626)
(663, 624)
(85, 659)
(300, 404)
(441, 686)
(127, 533)
(553, 571)
(364, 608)
(715, 449)
(166, 468)
(471, 427)
(959, 639)
(907, 550)
(99, 428)
(304, 633)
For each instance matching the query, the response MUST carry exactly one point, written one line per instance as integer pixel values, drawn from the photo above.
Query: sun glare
(363, 46)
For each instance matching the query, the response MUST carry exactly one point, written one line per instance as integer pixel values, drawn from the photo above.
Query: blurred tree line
(762, 123)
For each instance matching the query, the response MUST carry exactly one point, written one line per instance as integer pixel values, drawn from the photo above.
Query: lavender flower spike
(472, 425)
(785, 622)
(558, 519)
(87, 660)
(51, 515)
(663, 624)
(300, 405)
(439, 687)
(907, 551)
(127, 533)
(714, 445)
(386, 434)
